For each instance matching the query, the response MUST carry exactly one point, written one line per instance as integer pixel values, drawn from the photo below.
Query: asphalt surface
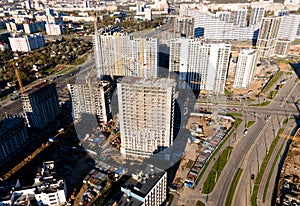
(15, 107)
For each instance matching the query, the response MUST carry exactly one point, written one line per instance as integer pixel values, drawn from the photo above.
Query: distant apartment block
(34, 27)
(54, 29)
(245, 68)
(281, 13)
(257, 14)
(91, 99)
(267, 36)
(289, 27)
(203, 66)
(211, 26)
(40, 105)
(124, 55)
(13, 135)
(12, 26)
(184, 26)
(224, 16)
(146, 115)
(147, 187)
(26, 43)
(240, 17)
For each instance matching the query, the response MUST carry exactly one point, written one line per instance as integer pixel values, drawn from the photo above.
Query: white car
(245, 132)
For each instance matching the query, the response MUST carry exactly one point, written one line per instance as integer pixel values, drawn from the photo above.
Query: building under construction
(40, 105)
(146, 113)
(13, 135)
(124, 55)
(93, 99)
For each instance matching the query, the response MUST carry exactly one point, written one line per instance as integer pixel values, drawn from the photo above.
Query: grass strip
(263, 167)
(233, 187)
(249, 124)
(272, 81)
(272, 94)
(80, 60)
(227, 93)
(237, 122)
(170, 199)
(216, 171)
(263, 104)
(199, 203)
(270, 174)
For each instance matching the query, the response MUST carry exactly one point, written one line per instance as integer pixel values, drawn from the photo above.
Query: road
(249, 151)
(15, 107)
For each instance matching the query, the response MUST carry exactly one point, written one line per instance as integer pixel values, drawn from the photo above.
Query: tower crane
(14, 65)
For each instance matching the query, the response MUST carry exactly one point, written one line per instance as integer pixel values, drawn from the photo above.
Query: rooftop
(156, 82)
(141, 183)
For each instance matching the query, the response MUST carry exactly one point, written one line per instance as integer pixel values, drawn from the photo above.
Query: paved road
(248, 151)
(15, 107)
(257, 151)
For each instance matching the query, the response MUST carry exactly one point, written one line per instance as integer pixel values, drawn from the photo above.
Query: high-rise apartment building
(282, 47)
(204, 66)
(224, 16)
(257, 13)
(40, 105)
(240, 17)
(13, 135)
(91, 99)
(267, 36)
(245, 68)
(124, 55)
(212, 27)
(146, 114)
(289, 27)
(184, 25)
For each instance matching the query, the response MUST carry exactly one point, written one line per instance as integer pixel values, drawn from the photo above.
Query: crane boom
(18, 78)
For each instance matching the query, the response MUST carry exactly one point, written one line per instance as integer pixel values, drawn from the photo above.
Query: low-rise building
(147, 187)
(46, 190)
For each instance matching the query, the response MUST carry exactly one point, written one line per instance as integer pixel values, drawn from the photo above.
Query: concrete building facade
(267, 36)
(124, 55)
(203, 66)
(40, 105)
(257, 14)
(13, 135)
(27, 43)
(245, 68)
(91, 99)
(54, 29)
(289, 27)
(146, 115)
(282, 47)
(240, 17)
(146, 188)
(184, 26)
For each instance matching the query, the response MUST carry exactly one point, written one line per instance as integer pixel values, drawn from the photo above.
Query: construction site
(288, 192)
(207, 132)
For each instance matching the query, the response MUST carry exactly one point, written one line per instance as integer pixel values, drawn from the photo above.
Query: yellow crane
(15, 64)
